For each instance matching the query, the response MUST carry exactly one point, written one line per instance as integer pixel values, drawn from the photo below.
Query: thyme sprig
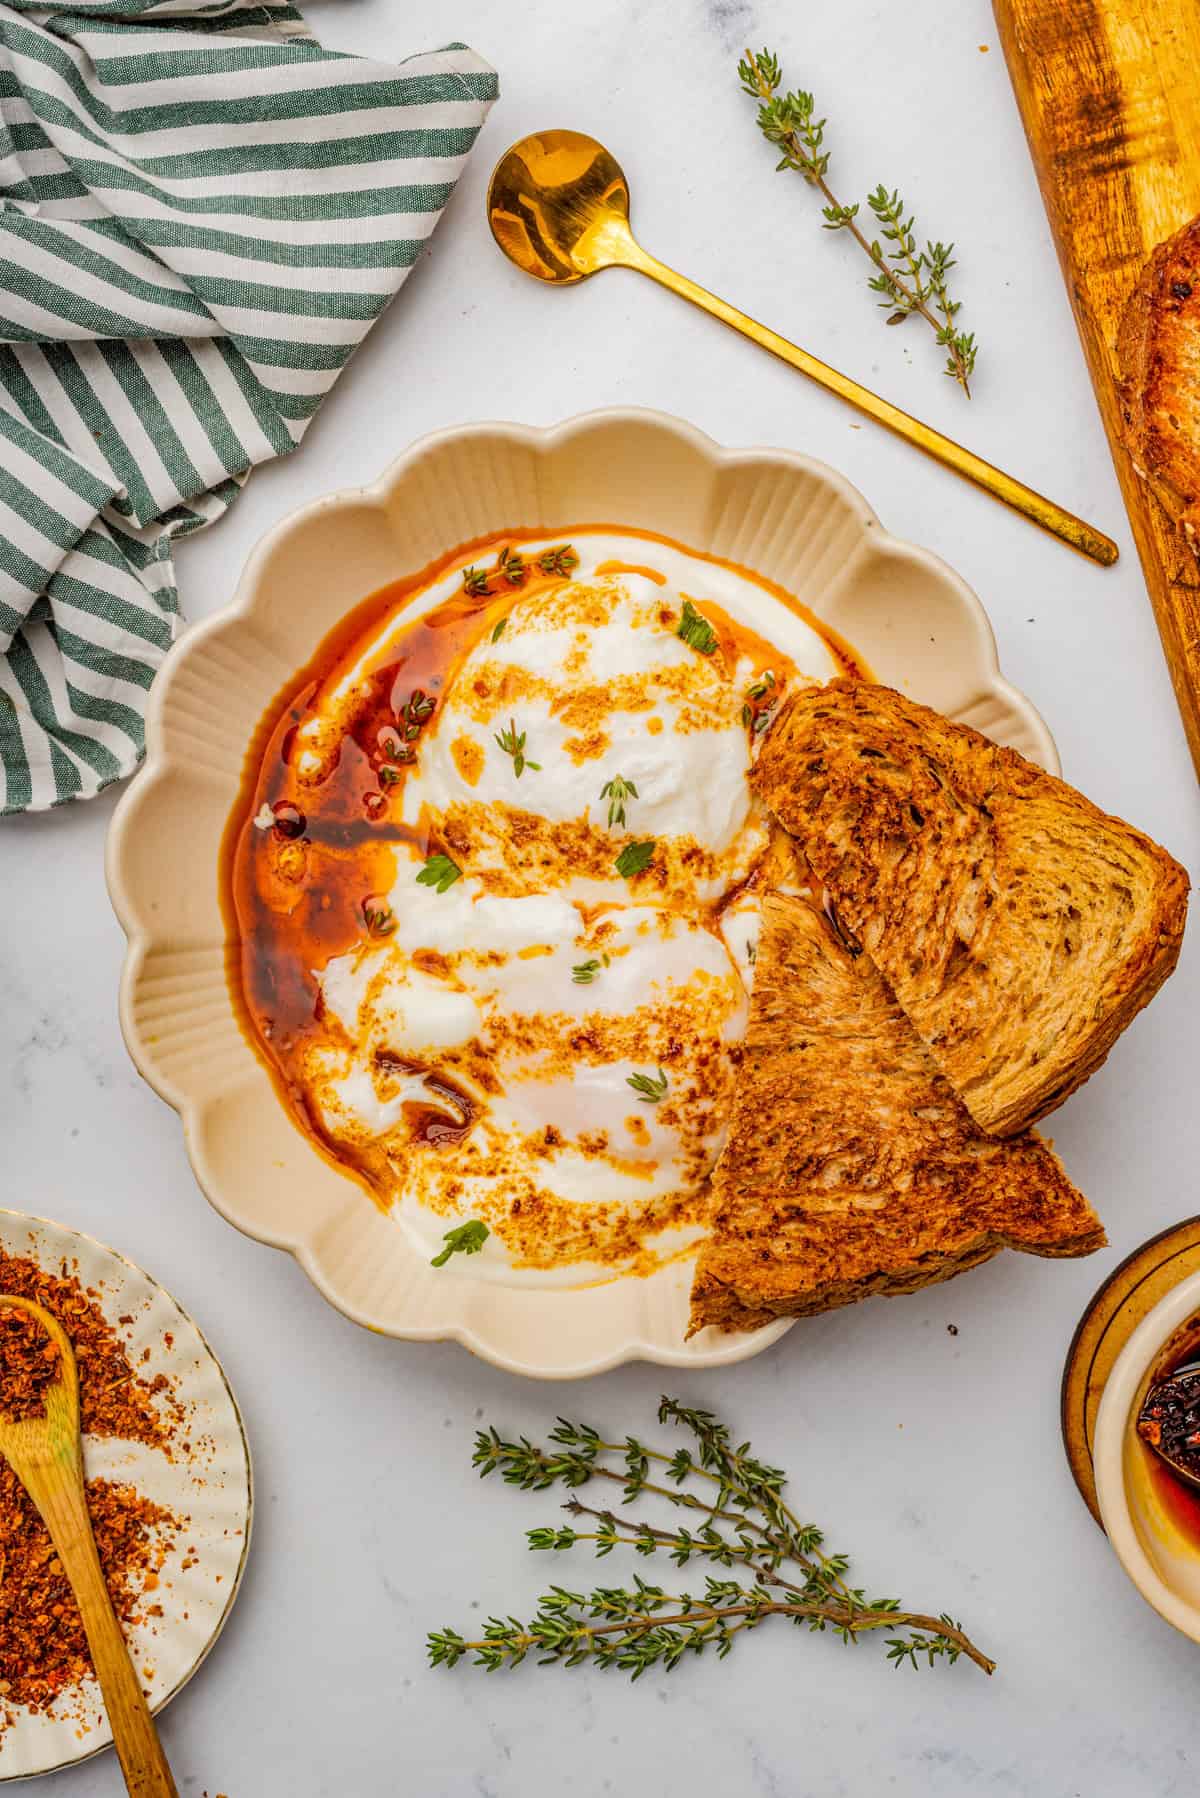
(650, 1089)
(617, 791)
(512, 742)
(641, 1626)
(910, 280)
(761, 702)
(561, 559)
(512, 570)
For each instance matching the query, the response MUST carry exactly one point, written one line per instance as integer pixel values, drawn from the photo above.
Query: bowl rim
(1108, 1452)
(543, 440)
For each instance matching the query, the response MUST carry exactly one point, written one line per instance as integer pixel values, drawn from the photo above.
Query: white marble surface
(935, 1458)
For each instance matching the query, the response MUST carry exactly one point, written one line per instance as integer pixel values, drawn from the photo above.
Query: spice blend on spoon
(29, 1363)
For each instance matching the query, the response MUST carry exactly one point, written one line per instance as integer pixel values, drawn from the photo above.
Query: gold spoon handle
(57, 1491)
(1053, 518)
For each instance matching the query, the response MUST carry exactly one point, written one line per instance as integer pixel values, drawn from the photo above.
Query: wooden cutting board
(1109, 91)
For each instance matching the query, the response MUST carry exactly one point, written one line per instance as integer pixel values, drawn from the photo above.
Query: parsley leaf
(635, 858)
(467, 1239)
(440, 872)
(695, 630)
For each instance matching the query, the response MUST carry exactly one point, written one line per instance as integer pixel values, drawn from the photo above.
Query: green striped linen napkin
(203, 212)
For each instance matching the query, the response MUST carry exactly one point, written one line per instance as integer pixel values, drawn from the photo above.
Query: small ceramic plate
(916, 624)
(210, 1487)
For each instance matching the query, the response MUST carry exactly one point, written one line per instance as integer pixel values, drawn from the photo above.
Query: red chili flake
(29, 1363)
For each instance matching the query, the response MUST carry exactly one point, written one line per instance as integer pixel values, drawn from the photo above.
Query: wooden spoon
(558, 206)
(46, 1455)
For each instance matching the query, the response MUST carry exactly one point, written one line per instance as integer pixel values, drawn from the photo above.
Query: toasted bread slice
(851, 1168)
(1019, 927)
(1158, 348)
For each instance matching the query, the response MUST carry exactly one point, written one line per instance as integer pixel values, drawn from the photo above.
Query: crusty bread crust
(851, 1168)
(1019, 927)
(1158, 349)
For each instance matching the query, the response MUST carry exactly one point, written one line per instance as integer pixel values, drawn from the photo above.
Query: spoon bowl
(558, 206)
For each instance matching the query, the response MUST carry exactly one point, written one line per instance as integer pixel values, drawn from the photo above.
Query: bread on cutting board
(1158, 349)
(851, 1167)
(1019, 927)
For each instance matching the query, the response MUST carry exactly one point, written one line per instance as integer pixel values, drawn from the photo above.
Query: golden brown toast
(1158, 348)
(851, 1168)
(1019, 927)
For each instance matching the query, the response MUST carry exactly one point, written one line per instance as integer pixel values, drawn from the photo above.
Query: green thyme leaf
(512, 743)
(695, 630)
(499, 630)
(584, 972)
(617, 791)
(440, 872)
(466, 1239)
(378, 918)
(388, 776)
(559, 560)
(648, 1089)
(475, 582)
(635, 858)
(419, 707)
(512, 567)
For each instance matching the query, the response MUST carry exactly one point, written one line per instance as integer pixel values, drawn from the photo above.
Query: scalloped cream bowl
(790, 519)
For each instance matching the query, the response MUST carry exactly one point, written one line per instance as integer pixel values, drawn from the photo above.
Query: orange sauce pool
(296, 893)
(1180, 1502)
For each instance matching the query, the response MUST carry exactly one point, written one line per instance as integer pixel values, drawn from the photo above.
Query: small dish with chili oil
(167, 1473)
(1150, 1514)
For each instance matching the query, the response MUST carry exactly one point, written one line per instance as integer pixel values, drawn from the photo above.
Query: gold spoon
(558, 206)
(46, 1455)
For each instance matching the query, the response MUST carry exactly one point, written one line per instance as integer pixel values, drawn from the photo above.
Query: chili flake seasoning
(29, 1362)
(43, 1650)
